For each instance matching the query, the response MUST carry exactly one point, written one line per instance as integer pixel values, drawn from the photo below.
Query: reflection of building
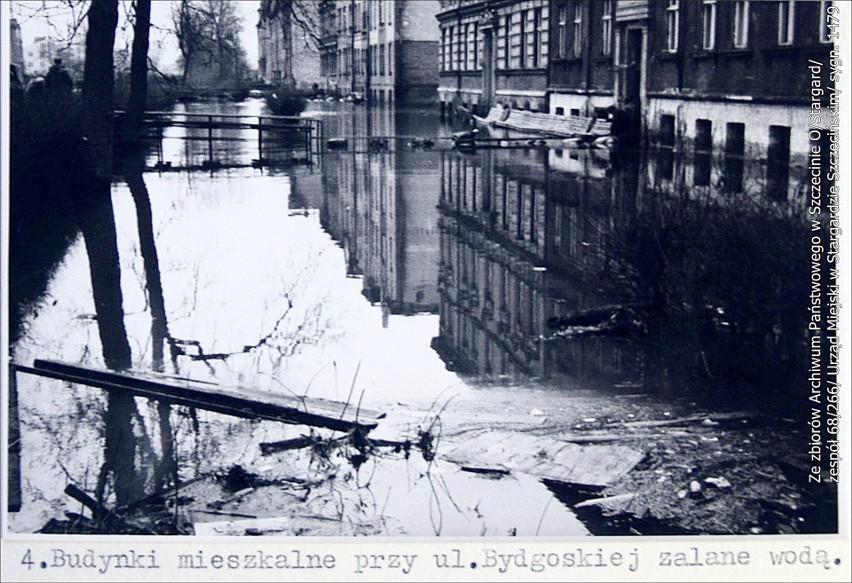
(381, 207)
(17, 46)
(287, 49)
(520, 234)
(386, 50)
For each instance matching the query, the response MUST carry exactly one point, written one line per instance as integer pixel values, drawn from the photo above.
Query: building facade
(38, 56)
(384, 50)
(288, 51)
(17, 46)
(689, 71)
(494, 53)
(730, 77)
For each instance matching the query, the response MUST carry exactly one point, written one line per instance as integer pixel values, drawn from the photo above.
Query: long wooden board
(241, 402)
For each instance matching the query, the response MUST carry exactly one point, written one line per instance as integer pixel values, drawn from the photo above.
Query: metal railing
(301, 133)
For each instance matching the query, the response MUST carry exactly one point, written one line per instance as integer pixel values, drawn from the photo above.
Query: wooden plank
(546, 458)
(241, 402)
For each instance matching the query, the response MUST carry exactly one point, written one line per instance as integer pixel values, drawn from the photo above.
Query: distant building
(385, 50)
(287, 43)
(38, 56)
(17, 57)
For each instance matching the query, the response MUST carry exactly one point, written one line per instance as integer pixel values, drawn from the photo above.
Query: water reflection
(374, 274)
(381, 205)
(607, 268)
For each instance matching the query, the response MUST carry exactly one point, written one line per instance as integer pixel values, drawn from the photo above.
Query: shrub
(286, 102)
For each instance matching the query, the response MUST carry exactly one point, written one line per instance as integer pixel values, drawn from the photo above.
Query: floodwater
(533, 289)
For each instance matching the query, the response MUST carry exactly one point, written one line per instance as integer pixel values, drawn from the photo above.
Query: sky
(163, 48)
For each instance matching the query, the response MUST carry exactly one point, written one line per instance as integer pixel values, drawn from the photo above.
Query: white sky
(163, 48)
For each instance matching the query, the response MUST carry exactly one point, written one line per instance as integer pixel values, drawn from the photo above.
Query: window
(476, 56)
(606, 28)
(531, 37)
(390, 59)
(703, 152)
(786, 16)
(444, 51)
(464, 54)
(709, 25)
(672, 25)
(734, 157)
(452, 35)
(741, 24)
(560, 111)
(517, 40)
(458, 65)
(578, 30)
(502, 40)
(666, 136)
(778, 162)
(562, 40)
(471, 47)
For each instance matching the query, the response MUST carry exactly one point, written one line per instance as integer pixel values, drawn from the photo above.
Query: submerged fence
(268, 140)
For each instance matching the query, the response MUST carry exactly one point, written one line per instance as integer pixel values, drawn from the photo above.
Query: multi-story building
(288, 53)
(581, 73)
(384, 50)
(38, 56)
(494, 52)
(727, 76)
(17, 46)
(691, 72)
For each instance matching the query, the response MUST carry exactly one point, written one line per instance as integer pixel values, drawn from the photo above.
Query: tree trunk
(98, 88)
(138, 74)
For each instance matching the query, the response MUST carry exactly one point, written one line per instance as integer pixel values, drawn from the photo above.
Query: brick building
(691, 70)
(384, 50)
(731, 76)
(494, 52)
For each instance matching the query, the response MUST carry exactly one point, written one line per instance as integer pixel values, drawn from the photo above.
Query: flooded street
(541, 325)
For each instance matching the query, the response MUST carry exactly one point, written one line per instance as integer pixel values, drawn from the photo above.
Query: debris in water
(721, 483)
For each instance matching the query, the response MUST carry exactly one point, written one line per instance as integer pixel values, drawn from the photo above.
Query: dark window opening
(703, 149)
(778, 162)
(703, 136)
(560, 111)
(666, 135)
(734, 156)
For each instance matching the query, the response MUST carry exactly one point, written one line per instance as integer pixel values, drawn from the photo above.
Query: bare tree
(208, 35)
(138, 72)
